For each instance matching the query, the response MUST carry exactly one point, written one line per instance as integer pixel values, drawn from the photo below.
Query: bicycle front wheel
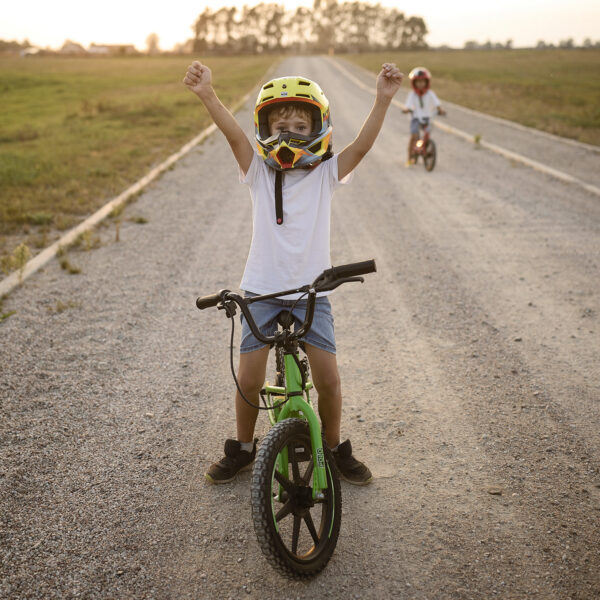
(430, 155)
(296, 533)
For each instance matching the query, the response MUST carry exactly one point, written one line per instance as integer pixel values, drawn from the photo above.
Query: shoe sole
(220, 481)
(367, 482)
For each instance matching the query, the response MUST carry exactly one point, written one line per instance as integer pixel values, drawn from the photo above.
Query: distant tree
(471, 45)
(414, 33)
(541, 45)
(351, 26)
(569, 43)
(152, 43)
(587, 43)
(509, 44)
(13, 47)
(201, 29)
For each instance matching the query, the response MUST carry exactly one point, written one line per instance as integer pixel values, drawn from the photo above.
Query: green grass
(553, 90)
(74, 132)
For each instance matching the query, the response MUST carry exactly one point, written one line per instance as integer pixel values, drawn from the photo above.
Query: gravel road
(469, 364)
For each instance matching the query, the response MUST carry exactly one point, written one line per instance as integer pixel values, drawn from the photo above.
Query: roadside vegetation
(555, 90)
(74, 132)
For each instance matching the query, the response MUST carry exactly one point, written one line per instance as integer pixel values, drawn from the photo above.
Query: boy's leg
(411, 142)
(251, 377)
(325, 376)
(240, 453)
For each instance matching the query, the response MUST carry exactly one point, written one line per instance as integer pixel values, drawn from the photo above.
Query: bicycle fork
(297, 406)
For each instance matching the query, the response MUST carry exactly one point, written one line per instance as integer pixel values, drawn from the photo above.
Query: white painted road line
(538, 166)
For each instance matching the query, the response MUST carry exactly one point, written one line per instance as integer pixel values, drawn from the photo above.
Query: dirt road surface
(470, 373)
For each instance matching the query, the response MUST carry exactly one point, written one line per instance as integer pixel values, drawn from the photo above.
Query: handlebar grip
(208, 301)
(354, 269)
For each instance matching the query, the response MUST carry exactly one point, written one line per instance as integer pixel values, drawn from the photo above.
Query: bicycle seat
(285, 319)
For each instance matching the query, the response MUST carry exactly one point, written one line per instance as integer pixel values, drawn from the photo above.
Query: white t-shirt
(294, 253)
(424, 106)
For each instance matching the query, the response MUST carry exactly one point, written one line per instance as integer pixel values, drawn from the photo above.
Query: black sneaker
(234, 461)
(350, 469)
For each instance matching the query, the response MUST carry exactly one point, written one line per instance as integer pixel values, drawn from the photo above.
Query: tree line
(328, 25)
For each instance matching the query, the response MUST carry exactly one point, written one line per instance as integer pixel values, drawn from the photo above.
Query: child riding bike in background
(292, 178)
(422, 103)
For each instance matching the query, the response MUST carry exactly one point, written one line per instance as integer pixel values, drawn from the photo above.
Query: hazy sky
(50, 22)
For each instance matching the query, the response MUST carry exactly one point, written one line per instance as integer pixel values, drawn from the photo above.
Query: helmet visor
(290, 138)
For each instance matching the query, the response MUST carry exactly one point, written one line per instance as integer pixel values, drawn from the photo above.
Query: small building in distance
(72, 48)
(112, 50)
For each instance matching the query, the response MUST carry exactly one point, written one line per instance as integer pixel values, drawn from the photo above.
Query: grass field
(553, 90)
(75, 132)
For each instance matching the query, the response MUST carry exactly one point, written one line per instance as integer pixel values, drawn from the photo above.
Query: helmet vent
(265, 98)
(304, 83)
(303, 95)
(267, 86)
(286, 157)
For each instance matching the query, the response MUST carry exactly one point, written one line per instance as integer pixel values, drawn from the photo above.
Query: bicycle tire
(430, 155)
(274, 517)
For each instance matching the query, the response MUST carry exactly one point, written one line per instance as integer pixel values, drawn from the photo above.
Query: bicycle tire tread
(261, 481)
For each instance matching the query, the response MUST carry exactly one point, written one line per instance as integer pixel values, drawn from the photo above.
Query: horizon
(467, 20)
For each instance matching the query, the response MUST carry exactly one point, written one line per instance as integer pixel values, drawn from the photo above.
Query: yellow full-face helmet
(287, 150)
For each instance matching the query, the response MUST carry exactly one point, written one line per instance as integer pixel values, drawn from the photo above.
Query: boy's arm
(438, 104)
(199, 80)
(388, 83)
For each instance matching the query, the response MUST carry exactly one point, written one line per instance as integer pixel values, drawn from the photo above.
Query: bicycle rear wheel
(296, 533)
(430, 155)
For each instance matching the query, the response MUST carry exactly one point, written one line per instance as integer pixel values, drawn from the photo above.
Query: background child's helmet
(291, 150)
(420, 73)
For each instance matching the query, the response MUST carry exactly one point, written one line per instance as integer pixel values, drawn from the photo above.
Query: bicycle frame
(297, 407)
(282, 501)
(421, 143)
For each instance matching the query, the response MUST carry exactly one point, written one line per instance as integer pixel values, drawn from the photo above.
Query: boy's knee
(329, 384)
(250, 382)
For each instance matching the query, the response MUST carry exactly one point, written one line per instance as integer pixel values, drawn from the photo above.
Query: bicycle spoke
(295, 534)
(284, 481)
(284, 511)
(309, 471)
(311, 528)
(294, 460)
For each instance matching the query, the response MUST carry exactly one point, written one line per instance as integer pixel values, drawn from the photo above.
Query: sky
(48, 23)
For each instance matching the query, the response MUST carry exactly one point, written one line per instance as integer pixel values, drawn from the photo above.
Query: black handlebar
(350, 270)
(329, 279)
(208, 301)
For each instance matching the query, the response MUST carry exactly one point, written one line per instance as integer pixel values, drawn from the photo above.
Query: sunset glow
(48, 24)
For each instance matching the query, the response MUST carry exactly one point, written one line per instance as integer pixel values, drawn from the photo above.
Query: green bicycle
(295, 491)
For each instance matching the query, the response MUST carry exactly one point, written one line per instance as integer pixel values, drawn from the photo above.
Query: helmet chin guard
(288, 150)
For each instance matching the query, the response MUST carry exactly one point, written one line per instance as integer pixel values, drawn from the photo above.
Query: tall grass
(76, 131)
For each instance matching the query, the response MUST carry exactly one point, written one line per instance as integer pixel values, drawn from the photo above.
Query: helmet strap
(279, 187)
(279, 197)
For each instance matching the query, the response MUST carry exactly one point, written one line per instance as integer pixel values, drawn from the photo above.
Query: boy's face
(291, 120)
(420, 84)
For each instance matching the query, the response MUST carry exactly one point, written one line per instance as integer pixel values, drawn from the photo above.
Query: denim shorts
(265, 313)
(415, 126)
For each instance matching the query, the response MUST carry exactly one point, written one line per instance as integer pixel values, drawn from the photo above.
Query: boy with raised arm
(291, 177)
